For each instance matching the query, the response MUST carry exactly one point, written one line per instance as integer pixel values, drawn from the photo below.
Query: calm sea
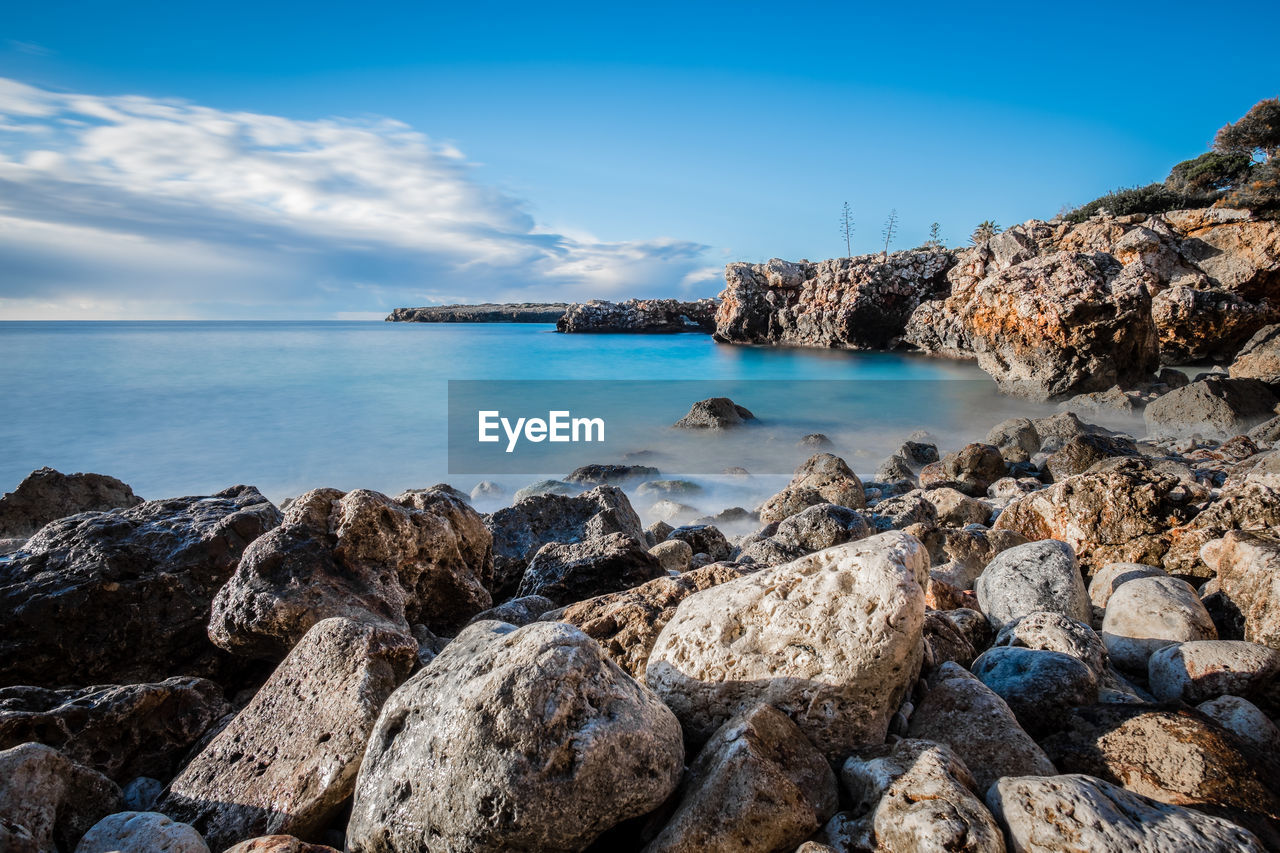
(176, 408)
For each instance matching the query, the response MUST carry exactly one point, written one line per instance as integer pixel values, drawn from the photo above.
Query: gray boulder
(1030, 578)
(571, 572)
(1016, 439)
(1211, 408)
(715, 413)
(1039, 686)
(141, 832)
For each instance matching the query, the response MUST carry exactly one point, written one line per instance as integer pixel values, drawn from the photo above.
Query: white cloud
(182, 209)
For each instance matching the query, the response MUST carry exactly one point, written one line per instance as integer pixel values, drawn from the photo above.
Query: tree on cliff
(846, 229)
(1209, 173)
(985, 231)
(1257, 134)
(890, 231)
(935, 236)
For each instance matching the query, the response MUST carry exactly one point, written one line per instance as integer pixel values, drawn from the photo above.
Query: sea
(190, 408)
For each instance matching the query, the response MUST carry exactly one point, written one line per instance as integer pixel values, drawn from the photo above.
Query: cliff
(489, 312)
(639, 315)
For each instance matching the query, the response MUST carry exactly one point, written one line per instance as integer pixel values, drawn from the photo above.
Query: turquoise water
(191, 407)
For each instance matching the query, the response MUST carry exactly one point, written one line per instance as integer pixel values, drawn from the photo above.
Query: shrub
(1208, 173)
(1153, 198)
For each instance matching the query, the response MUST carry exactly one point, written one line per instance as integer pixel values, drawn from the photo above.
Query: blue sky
(321, 159)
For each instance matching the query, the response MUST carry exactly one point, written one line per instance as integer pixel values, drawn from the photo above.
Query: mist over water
(178, 408)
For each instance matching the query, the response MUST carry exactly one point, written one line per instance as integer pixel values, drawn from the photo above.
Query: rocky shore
(640, 315)
(488, 312)
(1053, 638)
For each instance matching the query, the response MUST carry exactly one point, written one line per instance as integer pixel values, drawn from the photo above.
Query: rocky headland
(488, 312)
(640, 315)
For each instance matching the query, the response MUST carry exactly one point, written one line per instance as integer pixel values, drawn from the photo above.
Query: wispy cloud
(135, 206)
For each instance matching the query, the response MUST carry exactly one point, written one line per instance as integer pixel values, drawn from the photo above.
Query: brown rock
(1248, 570)
(47, 495)
(278, 844)
(823, 478)
(47, 801)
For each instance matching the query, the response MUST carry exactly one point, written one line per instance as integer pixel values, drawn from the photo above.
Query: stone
(974, 468)
(141, 794)
(1055, 632)
(1243, 719)
(918, 795)
(1171, 755)
(1077, 812)
(944, 641)
(831, 639)
(960, 556)
(823, 526)
(893, 470)
(518, 611)
(487, 490)
(124, 596)
(956, 509)
(1193, 672)
(1082, 452)
(513, 739)
(47, 801)
(1248, 574)
(1246, 506)
(1039, 686)
(1147, 614)
(757, 784)
(1026, 579)
(715, 413)
(703, 539)
(662, 488)
(1259, 358)
(520, 530)
(919, 453)
(610, 475)
(419, 558)
(121, 731)
(673, 555)
(639, 315)
(1016, 439)
(288, 761)
(823, 478)
(571, 572)
(141, 832)
(817, 440)
(627, 623)
(673, 512)
(46, 495)
(1211, 408)
(546, 487)
(960, 711)
(903, 511)
(1108, 579)
(278, 844)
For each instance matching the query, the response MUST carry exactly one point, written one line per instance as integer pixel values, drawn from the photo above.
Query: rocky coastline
(1053, 637)
(488, 312)
(640, 315)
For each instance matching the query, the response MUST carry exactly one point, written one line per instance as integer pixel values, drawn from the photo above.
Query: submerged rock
(715, 413)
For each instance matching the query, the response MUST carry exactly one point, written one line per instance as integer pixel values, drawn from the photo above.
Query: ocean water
(180, 408)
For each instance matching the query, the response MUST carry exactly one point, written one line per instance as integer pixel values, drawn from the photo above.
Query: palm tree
(985, 231)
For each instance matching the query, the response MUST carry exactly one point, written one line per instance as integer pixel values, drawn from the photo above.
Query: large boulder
(1055, 632)
(1039, 686)
(1081, 813)
(1252, 504)
(1213, 408)
(627, 623)
(141, 832)
(122, 731)
(574, 571)
(1196, 671)
(46, 495)
(1147, 614)
(1260, 357)
(832, 639)
(757, 784)
(822, 478)
(47, 801)
(715, 413)
(288, 761)
(513, 739)
(1033, 578)
(973, 468)
(520, 530)
(1248, 574)
(1082, 452)
(124, 596)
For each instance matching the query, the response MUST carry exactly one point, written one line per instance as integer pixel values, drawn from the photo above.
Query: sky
(273, 160)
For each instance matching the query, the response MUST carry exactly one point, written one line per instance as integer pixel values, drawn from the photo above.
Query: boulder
(960, 711)
(571, 572)
(419, 558)
(1081, 813)
(141, 832)
(956, 509)
(973, 468)
(47, 801)
(703, 539)
(545, 487)
(1147, 614)
(917, 795)
(944, 641)
(1039, 686)
(832, 639)
(1195, 671)
(518, 611)
(1199, 324)
(1248, 572)
(1026, 579)
(1212, 408)
(123, 596)
(288, 761)
(122, 731)
(513, 739)
(715, 413)
(1016, 439)
(610, 475)
(1260, 357)
(278, 844)
(822, 478)
(823, 526)
(960, 556)
(1251, 505)
(903, 511)
(757, 784)
(1108, 579)
(46, 495)
(1082, 452)
(1055, 632)
(1243, 719)
(672, 555)
(520, 530)
(895, 469)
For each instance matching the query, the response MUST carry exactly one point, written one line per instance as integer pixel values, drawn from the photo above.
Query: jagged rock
(944, 641)
(960, 556)
(715, 413)
(288, 761)
(574, 571)
(1082, 452)
(1107, 580)
(46, 495)
(832, 639)
(1197, 324)
(853, 303)
(821, 526)
(639, 315)
(1260, 357)
(518, 611)
(513, 739)
(124, 596)
(894, 469)
(419, 558)
(1016, 439)
(903, 511)
(546, 487)
(973, 468)
(917, 795)
(47, 801)
(822, 478)
(1248, 573)
(963, 713)
(1215, 408)
(956, 509)
(1076, 812)
(520, 530)
(1147, 614)
(1248, 506)
(1243, 719)
(1195, 671)
(120, 731)
(141, 832)
(703, 539)
(1039, 686)
(918, 453)
(673, 555)
(757, 784)
(1173, 756)
(1038, 576)
(816, 440)
(1110, 401)
(1055, 632)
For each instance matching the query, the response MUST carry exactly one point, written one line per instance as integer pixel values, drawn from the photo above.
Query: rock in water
(47, 495)
(757, 784)
(571, 572)
(715, 413)
(1033, 578)
(124, 596)
(288, 761)
(47, 802)
(1081, 813)
(832, 639)
(419, 558)
(513, 739)
(122, 731)
(141, 832)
